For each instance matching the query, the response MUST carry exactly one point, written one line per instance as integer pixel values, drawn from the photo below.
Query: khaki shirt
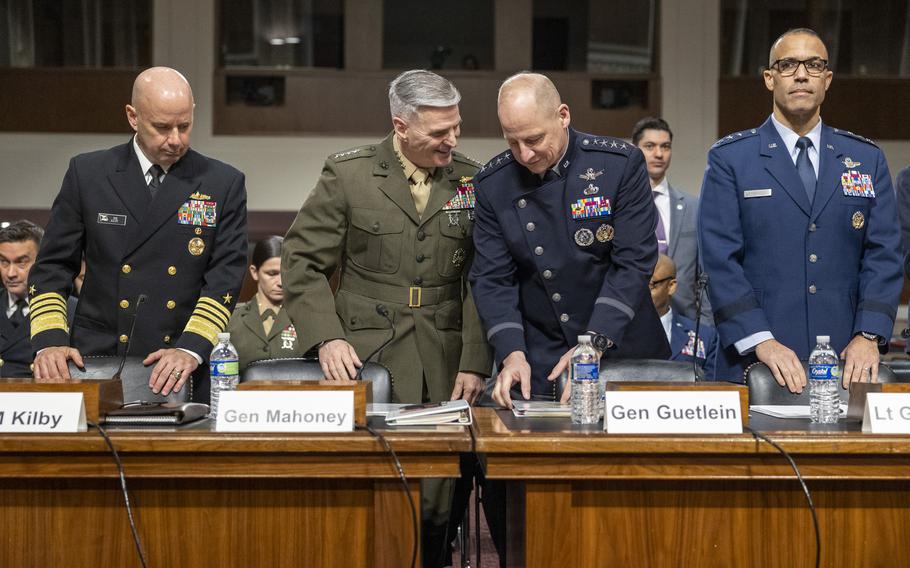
(253, 344)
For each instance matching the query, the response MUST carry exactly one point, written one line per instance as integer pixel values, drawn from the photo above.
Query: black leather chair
(763, 388)
(901, 368)
(307, 369)
(135, 378)
(630, 370)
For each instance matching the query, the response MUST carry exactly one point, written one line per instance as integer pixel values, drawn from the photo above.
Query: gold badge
(196, 246)
(858, 220)
(201, 196)
(605, 233)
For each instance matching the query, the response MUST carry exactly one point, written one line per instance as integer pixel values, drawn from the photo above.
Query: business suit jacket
(544, 275)
(361, 217)
(682, 344)
(184, 251)
(800, 270)
(683, 249)
(902, 186)
(252, 342)
(15, 348)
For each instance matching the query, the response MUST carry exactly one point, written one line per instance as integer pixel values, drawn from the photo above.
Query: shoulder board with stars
(494, 164)
(465, 159)
(735, 136)
(849, 134)
(605, 144)
(359, 152)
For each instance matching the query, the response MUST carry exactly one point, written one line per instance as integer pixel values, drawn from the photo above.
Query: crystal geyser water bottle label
(586, 371)
(823, 372)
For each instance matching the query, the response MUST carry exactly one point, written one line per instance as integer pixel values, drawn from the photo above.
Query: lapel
(443, 189)
(129, 184)
(281, 322)
(829, 171)
(778, 163)
(253, 321)
(677, 214)
(179, 183)
(392, 182)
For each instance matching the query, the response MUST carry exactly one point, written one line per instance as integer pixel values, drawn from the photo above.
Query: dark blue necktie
(804, 167)
(156, 171)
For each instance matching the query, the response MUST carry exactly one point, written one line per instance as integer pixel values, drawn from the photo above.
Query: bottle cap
(823, 339)
(224, 336)
(584, 338)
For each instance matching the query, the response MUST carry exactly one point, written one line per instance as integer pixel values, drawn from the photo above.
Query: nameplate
(673, 412)
(42, 412)
(285, 411)
(887, 413)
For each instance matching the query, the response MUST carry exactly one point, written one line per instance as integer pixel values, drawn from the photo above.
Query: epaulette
(605, 144)
(849, 134)
(494, 164)
(458, 157)
(358, 152)
(735, 136)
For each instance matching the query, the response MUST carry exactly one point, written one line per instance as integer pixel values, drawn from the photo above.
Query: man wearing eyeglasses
(798, 229)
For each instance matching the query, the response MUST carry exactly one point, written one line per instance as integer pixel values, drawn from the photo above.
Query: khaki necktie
(268, 318)
(420, 190)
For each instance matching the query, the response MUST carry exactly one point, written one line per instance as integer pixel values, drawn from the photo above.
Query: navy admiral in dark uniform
(19, 243)
(798, 229)
(565, 245)
(163, 229)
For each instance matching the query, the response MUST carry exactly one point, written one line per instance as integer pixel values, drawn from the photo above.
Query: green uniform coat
(361, 216)
(250, 340)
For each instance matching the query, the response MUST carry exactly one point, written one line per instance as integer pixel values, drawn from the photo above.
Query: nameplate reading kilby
(672, 412)
(42, 412)
(887, 413)
(285, 411)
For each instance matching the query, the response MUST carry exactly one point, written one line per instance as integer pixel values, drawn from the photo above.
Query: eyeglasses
(655, 283)
(815, 66)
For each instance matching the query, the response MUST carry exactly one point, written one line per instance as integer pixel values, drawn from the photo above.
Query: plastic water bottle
(224, 370)
(586, 393)
(824, 376)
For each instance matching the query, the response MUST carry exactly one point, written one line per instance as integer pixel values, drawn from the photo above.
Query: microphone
(384, 312)
(701, 284)
(129, 341)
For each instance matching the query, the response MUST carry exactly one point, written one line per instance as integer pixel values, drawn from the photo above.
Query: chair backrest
(901, 368)
(135, 378)
(308, 369)
(628, 370)
(763, 388)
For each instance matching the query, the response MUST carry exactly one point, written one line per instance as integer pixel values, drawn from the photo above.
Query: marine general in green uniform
(398, 218)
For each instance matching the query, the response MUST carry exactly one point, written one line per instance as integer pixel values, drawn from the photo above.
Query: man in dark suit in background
(19, 242)
(160, 225)
(677, 214)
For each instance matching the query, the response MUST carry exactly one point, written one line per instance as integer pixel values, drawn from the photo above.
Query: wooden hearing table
(203, 498)
(580, 497)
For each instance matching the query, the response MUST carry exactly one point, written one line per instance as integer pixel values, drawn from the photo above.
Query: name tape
(672, 412)
(887, 413)
(42, 412)
(285, 411)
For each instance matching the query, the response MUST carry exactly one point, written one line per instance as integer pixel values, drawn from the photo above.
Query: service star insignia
(32, 290)
(227, 298)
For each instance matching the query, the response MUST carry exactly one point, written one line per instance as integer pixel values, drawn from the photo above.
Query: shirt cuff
(748, 344)
(194, 354)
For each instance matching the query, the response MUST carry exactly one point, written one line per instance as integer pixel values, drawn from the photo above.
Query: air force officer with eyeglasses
(798, 229)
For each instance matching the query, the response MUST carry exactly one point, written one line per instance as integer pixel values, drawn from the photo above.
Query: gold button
(126, 269)
(32, 366)
(124, 339)
(198, 230)
(171, 304)
(124, 304)
(172, 270)
(167, 338)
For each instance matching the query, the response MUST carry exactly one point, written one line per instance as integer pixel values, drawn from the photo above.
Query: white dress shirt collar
(666, 320)
(790, 138)
(144, 162)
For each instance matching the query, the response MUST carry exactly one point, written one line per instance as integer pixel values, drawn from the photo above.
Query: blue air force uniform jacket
(185, 251)
(555, 260)
(794, 268)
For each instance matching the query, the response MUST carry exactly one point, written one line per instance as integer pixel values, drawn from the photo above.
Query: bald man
(565, 245)
(163, 231)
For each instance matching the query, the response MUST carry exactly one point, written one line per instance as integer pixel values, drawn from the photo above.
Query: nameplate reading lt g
(672, 412)
(887, 413)
(42, 412)
(285, 411)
